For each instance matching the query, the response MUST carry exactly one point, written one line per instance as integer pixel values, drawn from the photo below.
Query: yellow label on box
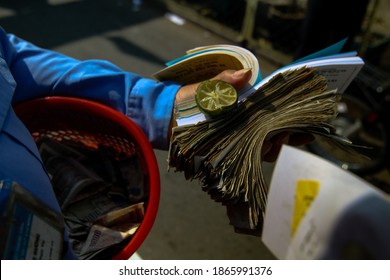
(305, 192)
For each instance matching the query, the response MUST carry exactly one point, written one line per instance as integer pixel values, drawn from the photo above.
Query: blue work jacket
(27, 72)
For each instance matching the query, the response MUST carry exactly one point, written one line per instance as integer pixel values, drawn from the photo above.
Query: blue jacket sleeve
(39, 72)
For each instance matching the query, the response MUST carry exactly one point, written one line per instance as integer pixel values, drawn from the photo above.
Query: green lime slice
(216, 97)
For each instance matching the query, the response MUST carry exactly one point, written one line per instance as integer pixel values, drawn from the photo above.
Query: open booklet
(203, 63)
(224, 153)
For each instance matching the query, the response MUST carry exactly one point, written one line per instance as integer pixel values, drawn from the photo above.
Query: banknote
(225, 154)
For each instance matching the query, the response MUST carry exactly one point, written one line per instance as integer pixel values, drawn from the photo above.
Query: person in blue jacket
(28, 72)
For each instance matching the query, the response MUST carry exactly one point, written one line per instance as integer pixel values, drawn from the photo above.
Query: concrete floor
(189, 224)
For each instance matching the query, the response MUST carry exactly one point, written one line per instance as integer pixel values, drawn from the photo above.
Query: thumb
(237, 78)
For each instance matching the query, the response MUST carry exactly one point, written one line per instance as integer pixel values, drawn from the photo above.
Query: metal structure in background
(248, 23)
(268, 27)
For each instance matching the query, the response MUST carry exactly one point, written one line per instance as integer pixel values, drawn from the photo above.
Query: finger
(267, 146)
(238, 78)
(276, 144)
(300, 138)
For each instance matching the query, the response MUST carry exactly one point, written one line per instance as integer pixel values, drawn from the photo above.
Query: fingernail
(241, 73)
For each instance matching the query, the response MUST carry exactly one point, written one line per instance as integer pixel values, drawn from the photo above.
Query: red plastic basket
(94, 124)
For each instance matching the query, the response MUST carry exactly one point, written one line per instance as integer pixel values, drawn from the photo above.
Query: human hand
(272, 145)
(238, 79)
